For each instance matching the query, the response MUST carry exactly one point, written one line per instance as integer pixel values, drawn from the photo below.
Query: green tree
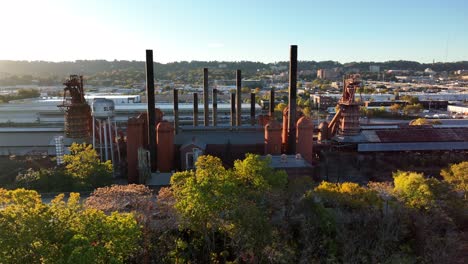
(414, 189)
(410, 99)
(83, 165)
(62, 232)
(457, 175)
(229, 204)
(347, 194)
(245, 90)
(413, 109)
(395, 109)
(424, 122)
(28, 93)
(280, 107)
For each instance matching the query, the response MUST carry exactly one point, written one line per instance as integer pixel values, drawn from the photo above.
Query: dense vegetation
(247, 214)
(82, 171)
(62, 232)
(20, 94)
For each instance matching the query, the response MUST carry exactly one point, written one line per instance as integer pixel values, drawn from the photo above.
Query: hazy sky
(257, 30)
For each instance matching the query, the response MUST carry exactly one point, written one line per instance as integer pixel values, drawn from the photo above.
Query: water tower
(104, 129)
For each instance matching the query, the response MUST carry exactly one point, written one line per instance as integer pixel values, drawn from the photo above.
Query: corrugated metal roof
(30, 129)
(416, 134)
(373, 147)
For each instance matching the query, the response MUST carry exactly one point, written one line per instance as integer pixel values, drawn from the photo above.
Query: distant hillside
(23, 72)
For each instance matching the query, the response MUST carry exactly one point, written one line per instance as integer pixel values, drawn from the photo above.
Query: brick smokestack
(239, 97)
(205, 97)
(151, 109)
(195, 109)
(176, 111)
(292, 100)
(215, 106)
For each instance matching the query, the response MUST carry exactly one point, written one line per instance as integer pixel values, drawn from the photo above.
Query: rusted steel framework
(77, 110)
(350, 85)
(346, 120)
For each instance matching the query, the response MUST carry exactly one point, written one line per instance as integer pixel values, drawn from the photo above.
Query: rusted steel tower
(346, 120)
(77, 110)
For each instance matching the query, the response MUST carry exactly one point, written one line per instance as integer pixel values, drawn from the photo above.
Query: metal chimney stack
(151, 108)
(215, 106)
(272, 102)
(233, 109)
(176, 111)
(252, 109)
(239, 97)
(195, 109)
(205, 97)
(292, 100)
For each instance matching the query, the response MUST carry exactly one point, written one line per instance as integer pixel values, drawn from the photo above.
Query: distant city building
(459, 109)
(429, 71)
(323, 101)
(329, 74)
(374, 68)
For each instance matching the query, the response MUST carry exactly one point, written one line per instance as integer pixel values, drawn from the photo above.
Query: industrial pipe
(111, 142)
(94, 132)
(116, 140)
(100, 139)
(105, 140)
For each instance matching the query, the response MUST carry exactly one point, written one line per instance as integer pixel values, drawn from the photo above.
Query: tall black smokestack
(195, 109)
(292, 100)
(215, 106)
(151, 108)
(252, 109)
(233, 109)
(176, 111)
(205, 97)
(239, 97)
(272, 102)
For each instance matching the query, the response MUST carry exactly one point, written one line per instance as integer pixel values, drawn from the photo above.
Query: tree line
(250, 213)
